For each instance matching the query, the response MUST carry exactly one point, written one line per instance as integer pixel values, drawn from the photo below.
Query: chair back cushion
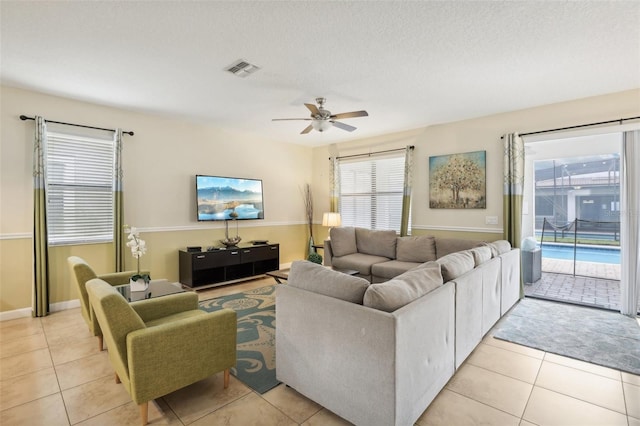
(116, 318)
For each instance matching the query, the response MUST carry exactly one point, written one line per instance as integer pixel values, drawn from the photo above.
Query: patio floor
(595, 284)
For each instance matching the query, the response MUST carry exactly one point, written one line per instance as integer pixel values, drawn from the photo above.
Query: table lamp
(331, 219)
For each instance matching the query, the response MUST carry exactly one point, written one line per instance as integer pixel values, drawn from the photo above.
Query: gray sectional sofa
(381, 255)
(379, 353)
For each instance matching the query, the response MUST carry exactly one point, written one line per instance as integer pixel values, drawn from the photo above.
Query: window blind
(371, 191)
(80, 172)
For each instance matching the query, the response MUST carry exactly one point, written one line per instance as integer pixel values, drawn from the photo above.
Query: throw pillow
(480, 255)
(322, 280)
(499, 247)
(456, 264)
(343, 241)
(416, 249)
(445, 246)
(404, 289)
(376, 242)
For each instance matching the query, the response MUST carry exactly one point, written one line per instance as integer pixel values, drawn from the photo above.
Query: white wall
(474, 135)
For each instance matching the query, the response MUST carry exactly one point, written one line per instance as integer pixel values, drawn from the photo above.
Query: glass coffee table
(156, 288)
(283, 274)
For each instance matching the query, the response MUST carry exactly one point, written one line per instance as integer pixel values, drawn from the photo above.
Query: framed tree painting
(458, 181)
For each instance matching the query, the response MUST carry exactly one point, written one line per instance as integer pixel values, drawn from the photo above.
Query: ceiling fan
(322, 119)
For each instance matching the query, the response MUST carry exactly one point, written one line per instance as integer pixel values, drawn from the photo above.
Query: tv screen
(227, 198)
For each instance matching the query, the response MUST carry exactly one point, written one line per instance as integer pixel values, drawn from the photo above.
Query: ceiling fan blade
(343, 126)
(313, 109)
(351, 114)
(284, 119)
(307, 129)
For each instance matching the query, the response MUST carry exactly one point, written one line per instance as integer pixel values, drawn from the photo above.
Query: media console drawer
(253, 254)
(212, 259)
(217, 267)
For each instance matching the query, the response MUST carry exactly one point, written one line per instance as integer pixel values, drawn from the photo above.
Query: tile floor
(51, 373)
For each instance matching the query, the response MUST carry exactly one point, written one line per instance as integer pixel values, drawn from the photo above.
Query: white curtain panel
(629, 226)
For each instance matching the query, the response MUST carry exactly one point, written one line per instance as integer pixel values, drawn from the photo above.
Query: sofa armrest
(425, 354)
(512, 289)
(172, 355)
(331, 350)
(159, 307)
(328, 253)
(359, 362)
(119, 278)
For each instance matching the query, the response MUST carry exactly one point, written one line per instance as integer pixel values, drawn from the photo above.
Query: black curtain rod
(373, 153)
(620, 120)
(24, 117)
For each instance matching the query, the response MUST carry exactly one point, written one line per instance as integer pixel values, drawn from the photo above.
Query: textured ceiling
(409, 64)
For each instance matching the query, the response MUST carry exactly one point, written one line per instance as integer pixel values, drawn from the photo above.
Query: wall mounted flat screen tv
(228, 198)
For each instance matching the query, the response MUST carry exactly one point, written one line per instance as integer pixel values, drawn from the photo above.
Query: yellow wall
(160, 162)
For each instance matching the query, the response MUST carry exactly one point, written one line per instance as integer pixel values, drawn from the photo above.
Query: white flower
(137, 244)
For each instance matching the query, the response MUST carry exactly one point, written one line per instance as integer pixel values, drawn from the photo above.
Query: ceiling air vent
(242, 68)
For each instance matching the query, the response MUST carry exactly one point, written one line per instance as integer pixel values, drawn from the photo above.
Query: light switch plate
(491, 220)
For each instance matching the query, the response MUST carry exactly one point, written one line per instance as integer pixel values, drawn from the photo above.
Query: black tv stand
(225, 265)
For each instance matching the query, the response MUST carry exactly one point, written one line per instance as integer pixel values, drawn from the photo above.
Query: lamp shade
(321, 125)
(331, 219)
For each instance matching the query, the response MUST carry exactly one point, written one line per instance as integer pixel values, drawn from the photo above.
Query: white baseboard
(26, 312)
(61, 306)
(15, 314)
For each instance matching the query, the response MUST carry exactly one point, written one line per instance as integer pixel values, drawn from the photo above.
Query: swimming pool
(583, 253)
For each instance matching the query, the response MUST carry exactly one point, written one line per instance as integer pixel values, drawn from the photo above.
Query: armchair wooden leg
(101, 343)
(226, 378)
(117, 378)
(144, 413)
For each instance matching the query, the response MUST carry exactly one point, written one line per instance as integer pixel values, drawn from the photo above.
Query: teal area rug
(600, 337)
(256, 344)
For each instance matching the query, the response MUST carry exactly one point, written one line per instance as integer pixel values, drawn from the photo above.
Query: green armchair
(160, 345)
(81, 273)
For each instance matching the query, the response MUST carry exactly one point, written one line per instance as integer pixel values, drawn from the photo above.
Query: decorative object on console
(458, 181)
(233, 241)
(138, 282)
(331, 219)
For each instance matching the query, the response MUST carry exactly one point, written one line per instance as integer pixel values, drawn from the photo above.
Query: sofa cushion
(456, 264)
(392, 268)
(416, 249)
(404, 289)
(376, 243)
(445, 246)
(343, 240)
(358, 261)
(319, 279)
(499, 247)
(480, 255)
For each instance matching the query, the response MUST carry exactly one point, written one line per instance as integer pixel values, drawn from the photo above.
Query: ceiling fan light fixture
(321, 125)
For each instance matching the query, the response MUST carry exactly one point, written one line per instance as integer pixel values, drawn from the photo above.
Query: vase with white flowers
(138, 282)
